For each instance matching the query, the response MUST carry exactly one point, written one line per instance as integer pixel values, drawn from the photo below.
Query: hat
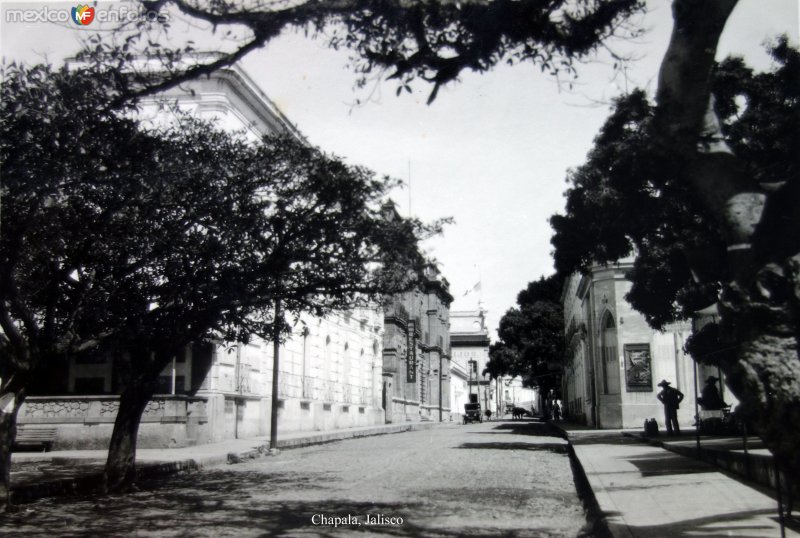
(712, 379)
(664, 383)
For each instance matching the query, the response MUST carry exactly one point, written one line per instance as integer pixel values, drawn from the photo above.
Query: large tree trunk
(120, 470)
(12, 397)
(759, 328)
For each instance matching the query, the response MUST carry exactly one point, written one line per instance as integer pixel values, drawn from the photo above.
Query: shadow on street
(212, 503)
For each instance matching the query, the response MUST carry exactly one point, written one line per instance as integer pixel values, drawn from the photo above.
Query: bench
(716, 421)
(30, 436)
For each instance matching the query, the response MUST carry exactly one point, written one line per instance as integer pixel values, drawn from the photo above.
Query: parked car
(472, 413)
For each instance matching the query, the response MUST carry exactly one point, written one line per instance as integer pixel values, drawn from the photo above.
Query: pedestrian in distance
(671, 398)
(710, 400)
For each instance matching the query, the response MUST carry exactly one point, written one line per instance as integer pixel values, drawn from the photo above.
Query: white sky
(492, 151)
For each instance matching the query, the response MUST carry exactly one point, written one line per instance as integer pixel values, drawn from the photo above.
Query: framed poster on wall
(638, 368)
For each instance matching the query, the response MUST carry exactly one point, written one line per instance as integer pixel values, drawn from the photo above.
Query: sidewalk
(645, 490)
(41, 474)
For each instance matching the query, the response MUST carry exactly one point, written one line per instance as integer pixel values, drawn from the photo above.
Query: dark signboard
(411, 354)
(638, 368)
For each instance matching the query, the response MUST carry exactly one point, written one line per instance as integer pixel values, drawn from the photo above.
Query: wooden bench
(30, 436)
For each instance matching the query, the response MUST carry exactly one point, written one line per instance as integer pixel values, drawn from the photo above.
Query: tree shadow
(243, 503)
(717, 526)
(603, 438)
(559, 448)
(25, 473)
(667, 463)
(524, 427)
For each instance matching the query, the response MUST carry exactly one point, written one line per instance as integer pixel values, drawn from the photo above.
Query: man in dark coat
(671, 398)
(710, 399)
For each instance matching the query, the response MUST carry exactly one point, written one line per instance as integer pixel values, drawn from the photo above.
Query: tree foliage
(531, 335)
(402, 39)
(700, 233)
(57, 133)
(628, 197)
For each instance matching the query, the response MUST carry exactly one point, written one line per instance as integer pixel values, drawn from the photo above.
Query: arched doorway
(608, 352)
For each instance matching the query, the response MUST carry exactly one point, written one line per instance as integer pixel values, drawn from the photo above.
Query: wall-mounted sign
(638, 368)
(411, 354)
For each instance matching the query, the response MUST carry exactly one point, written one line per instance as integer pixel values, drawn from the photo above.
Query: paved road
(491, 479)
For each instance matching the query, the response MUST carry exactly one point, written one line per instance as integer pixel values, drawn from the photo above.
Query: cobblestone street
(490, 479)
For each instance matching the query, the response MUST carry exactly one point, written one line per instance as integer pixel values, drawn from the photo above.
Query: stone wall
(86, 422)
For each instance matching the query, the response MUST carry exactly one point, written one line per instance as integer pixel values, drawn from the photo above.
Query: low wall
(305, 415)
(86, 422)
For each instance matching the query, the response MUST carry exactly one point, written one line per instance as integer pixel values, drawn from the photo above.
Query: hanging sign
(411, 354)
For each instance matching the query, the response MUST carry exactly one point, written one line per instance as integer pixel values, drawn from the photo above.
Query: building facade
(615, 360)
(329, 378)
(416, 353)
(469, 341)
(513, 393)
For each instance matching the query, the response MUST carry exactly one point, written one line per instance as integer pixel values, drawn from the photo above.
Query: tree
(629, 194)
(65, 184)
(531, 336)
(289, 230)
(624, 197)
(760, 297)
(146, 242)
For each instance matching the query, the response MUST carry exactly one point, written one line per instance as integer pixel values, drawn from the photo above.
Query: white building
(615, 360)
(514, 394)
(469, 344)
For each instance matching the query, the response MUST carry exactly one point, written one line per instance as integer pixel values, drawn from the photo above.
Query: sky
(492, 151)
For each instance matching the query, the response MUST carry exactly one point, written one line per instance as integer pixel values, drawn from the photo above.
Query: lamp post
(440, 387)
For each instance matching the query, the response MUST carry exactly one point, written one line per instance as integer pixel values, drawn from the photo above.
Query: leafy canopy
(628, 197)
(531, 335)
(433, 41)
(154, 239)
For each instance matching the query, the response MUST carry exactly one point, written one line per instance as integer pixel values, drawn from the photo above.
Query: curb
(90, 483)
(596, 522)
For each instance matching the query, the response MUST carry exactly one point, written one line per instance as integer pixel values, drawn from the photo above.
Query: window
(608, 352)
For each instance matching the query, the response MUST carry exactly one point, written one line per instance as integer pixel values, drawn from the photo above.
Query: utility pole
(276, 344)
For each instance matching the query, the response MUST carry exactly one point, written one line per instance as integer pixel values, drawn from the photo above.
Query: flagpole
(480, 289)
(409, 188)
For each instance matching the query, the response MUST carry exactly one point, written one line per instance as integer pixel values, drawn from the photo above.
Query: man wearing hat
(671, 398)
(710, 400)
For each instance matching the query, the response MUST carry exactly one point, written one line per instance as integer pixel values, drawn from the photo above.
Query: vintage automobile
(472, 412)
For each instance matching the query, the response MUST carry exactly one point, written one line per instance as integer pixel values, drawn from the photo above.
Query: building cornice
(467, 340)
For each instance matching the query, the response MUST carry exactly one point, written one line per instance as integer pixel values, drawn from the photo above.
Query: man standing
(711, 400)
(671, 398)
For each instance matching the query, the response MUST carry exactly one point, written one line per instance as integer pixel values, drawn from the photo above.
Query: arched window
(346, 365)
(608, 352)
(326, 360)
